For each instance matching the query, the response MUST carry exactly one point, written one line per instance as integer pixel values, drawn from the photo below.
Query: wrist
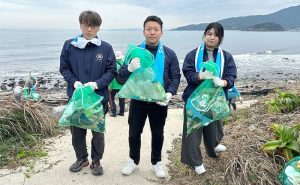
(169, 95)
(225, 83)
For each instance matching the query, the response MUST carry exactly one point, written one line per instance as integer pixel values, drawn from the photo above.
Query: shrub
(22, 128)
(286, 143)
(284, 102)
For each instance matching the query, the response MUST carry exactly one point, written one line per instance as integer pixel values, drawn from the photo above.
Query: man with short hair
(90, 61)
(155, 111)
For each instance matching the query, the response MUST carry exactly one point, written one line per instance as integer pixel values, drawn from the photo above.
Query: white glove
(93, 85)
(241, 100)
(77, 84)
(165, 103)
(219, 82)
(134, 64)
(205, 75)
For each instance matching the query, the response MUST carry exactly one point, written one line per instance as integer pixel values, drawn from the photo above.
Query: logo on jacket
(99, 56)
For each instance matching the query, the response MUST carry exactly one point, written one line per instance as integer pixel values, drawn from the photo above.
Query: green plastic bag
(84, 110)
(290, 174)
(141, 85)
(207, 103)
(32, 95)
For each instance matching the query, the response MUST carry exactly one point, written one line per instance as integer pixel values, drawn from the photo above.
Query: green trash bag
(31, 94)
(207, 103)
(290, 174)
(141, 85)
(84, 110)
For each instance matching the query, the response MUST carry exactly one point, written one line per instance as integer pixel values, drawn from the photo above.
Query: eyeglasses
(85, 26)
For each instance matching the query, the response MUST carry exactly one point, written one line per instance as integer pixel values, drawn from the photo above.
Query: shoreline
(53, 85)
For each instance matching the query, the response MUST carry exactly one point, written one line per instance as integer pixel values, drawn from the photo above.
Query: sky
(124, 14)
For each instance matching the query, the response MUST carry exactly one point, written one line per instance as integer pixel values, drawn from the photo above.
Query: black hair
(155, 19)
(90, 18)
(219, 30)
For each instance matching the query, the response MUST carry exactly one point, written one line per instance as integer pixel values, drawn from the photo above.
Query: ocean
(257, 54)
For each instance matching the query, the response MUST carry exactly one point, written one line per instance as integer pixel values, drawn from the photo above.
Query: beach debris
(17, 91)
(29, 89)
(58, 111)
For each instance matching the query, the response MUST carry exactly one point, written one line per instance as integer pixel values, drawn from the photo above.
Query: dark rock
(3, 87)
(21, 82)
(11, 84)
(42, 82)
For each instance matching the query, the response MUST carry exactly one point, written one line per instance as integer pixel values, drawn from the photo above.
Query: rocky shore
(53, 85)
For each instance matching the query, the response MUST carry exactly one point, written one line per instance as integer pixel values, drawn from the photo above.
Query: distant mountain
(266, 26)
(289, 18)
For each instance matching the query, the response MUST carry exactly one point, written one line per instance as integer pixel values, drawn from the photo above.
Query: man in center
(155, 111)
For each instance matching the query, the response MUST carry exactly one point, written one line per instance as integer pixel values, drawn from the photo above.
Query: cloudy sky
(121, 14)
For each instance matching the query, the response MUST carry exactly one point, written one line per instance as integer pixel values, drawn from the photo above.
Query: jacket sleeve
(189, 70)
(110, 71)
(123, 74)
(174, 75)
(231, 71)
(65, 66)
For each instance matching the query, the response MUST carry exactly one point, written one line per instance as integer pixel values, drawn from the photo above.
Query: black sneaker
(113, 115)
(121, 113)
(96, 168)
(79, 164)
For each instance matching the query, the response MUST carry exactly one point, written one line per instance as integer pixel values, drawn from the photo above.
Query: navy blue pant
(79, 142)
(232, 103)
(190, 148)
(138, 112)
(121, 102)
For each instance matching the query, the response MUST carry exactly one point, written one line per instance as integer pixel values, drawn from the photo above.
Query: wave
(266, 52)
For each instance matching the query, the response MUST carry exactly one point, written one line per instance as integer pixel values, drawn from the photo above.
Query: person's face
(152, 33)
(211, 39)
(89, 32)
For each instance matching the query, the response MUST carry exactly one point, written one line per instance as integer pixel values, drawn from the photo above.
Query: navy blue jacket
(189, 71)
(171, 70)
(91, 64)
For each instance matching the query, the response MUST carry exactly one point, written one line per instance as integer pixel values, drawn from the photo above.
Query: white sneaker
(129, 168)
(220, 148)
(200, 169)
(158, 170)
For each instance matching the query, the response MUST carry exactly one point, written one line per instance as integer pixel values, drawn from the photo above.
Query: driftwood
(5, 95)
(53, 100)
(257, 91)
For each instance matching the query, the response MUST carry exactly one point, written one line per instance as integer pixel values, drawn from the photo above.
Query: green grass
(237, 115)
(15, 152)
